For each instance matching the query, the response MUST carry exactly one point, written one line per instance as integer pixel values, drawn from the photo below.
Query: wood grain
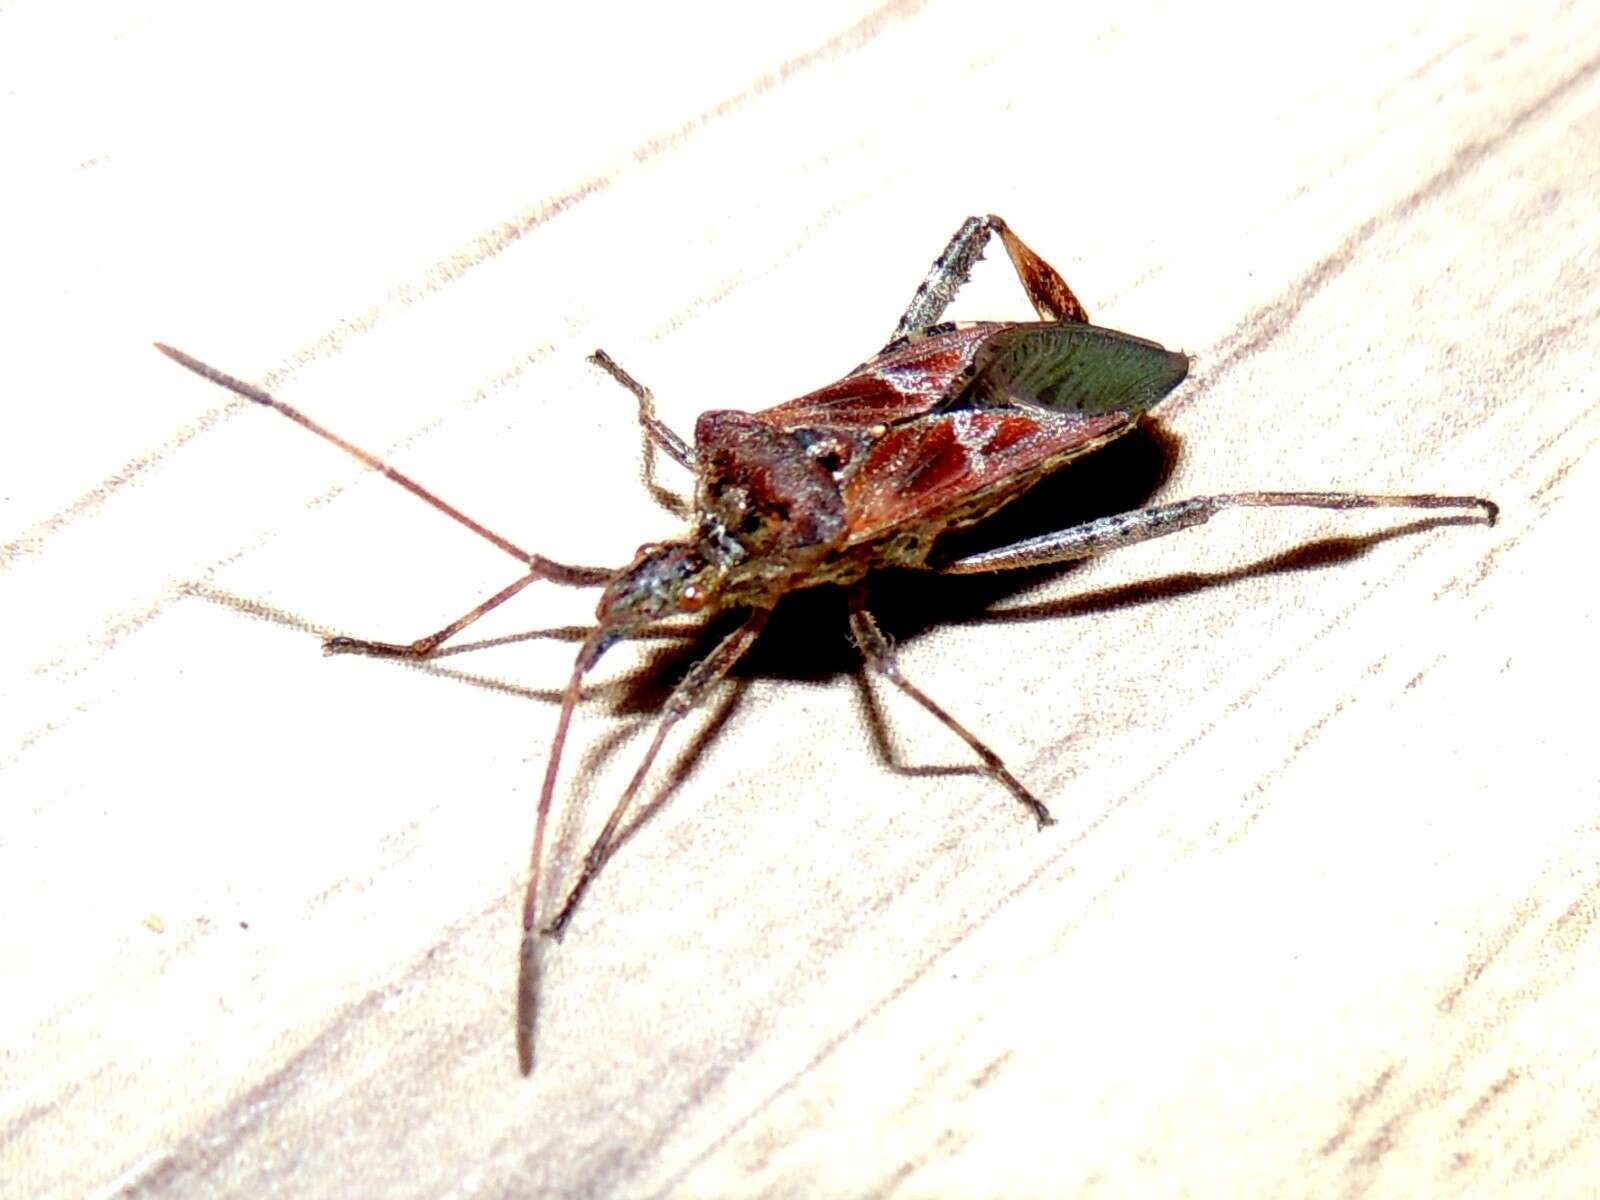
(1320, 916)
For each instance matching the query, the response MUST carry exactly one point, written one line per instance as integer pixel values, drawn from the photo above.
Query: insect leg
(1140, 525)
(685, 698)
(659, 432)
(424, 646)
(657, 435)
(538, 565)
(1052, 298)
(880, 657)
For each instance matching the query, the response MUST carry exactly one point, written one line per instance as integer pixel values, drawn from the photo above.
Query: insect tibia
(1343, 500)
(1142, 525)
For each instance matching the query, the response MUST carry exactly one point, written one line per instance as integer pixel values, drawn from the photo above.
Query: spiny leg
(1140, 525)
(880, 657)
(1051, 297)
(539, 567)
(657, 435)
(686, 697)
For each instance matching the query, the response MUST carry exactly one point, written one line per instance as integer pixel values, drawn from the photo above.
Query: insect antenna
(528, 957)
(537, 563)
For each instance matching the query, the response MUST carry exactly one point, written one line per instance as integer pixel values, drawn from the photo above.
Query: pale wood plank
(1319, 917)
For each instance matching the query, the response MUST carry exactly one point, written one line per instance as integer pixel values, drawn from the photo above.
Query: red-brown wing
(949, 427)
(931, 467)
(894, 387)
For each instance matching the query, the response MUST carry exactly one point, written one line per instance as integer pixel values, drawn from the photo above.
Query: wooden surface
(1320, 917)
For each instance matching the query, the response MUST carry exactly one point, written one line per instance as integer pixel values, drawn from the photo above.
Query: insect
(942, 427)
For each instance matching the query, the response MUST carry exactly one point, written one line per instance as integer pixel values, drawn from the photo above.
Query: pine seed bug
(945, 425)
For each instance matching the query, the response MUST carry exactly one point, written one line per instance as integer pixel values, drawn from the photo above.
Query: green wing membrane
(1075, 368)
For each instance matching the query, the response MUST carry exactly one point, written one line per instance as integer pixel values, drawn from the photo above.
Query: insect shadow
(807, 640)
